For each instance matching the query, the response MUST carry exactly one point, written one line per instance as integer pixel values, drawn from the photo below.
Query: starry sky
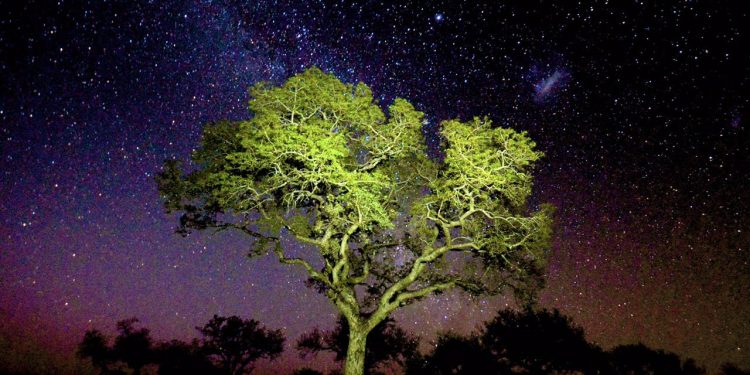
(642, 110)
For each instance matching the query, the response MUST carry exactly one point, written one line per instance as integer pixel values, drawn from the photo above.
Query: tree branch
(362, 277)
(299, 261)
(403, 297)
(244, 229)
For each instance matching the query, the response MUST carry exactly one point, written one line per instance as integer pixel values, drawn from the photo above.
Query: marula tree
(382, 223)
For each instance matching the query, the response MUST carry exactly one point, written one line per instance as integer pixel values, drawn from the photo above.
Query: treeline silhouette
(541, 342)
(513, 342)
(230, 345)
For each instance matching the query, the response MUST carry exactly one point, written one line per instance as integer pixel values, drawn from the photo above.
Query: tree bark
(355, 352)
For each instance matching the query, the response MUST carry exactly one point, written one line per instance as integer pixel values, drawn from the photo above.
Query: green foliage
(487, 166)
(320, 160)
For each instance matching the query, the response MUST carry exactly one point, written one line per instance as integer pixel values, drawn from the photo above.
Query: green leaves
(487, 166)
(320, 159)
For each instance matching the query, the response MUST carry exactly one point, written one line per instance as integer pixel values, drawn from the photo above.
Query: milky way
(641, 112)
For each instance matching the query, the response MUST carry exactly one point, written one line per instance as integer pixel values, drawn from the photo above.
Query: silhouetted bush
(454, 354)
(180, 358)
(732, 369)
(236, 343)
(307, 371)
(133, 346)
(541, 342)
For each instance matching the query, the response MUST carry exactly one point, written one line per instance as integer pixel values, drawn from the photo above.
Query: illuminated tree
(319, 162)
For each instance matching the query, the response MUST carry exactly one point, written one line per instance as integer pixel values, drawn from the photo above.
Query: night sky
(642, 110)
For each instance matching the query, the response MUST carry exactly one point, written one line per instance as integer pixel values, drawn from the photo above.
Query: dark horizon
(641, 111)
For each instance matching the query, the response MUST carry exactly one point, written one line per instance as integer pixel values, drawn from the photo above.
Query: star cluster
(641, 109)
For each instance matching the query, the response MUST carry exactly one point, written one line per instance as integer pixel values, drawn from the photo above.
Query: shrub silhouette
(232, 342)
(236, 343)
(541, 342)
(455, 354)
(133, 346)
(180, 358)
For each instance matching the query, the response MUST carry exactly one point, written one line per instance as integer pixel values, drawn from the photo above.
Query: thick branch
(392, 294)
(341, 269)
(404, 297)
(244, 229)
(363, 276)
(299, 261)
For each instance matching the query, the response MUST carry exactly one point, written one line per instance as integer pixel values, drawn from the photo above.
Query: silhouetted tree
(386, 343)
(542, 342)
(528, 341)
(237, 343)
(307, 371)
(94, 345)
(639, 359)
(538, 342)
(455, 354)
(133, 346)
(689, 367)
(180, 358)
(732, 369)
(320, 161)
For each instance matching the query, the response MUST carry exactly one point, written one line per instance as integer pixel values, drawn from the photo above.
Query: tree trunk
(355, 352)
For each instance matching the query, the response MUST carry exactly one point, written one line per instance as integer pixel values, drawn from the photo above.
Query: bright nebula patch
(549, 85)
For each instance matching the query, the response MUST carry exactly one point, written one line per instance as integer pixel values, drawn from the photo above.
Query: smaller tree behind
(732, 369)
(180, 358)
(94, 345)
(387, 343)
(540, 341)
(133, 346)
(456, 355)
(237, 343)
(640, 359)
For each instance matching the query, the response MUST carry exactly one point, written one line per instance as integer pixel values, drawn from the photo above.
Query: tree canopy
(133, 346)
(230, 345)
(238, 343)
(321, 162)
(541, 342)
